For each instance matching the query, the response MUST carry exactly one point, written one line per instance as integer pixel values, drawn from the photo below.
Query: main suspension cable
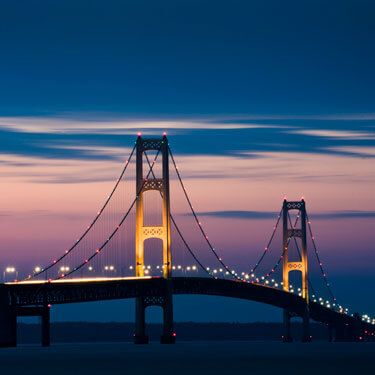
(274, 268)
(266, 249)
(232, 273)
(45, 269)
(319, 261)
(179, 231)
(300, 256)
(97, 251)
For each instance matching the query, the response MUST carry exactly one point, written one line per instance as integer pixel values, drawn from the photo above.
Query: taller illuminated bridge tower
(145, 183)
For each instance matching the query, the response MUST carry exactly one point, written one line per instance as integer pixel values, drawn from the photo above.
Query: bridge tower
(301, 266)
(162, 232)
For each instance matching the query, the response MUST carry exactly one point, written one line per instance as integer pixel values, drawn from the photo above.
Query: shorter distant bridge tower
(289, 233)
(162, 232)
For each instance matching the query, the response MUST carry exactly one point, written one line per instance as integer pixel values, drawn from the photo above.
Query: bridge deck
(80, 280)
(31, 293)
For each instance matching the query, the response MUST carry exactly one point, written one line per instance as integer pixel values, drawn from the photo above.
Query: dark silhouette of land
(188, 331)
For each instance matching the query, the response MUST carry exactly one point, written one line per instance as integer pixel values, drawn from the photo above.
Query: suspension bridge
(136, 222)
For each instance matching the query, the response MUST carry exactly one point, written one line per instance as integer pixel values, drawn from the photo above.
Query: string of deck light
(205, 269)
(178, 267)
(199, 224)
(319, 261)
(98, 250)
(57, 260)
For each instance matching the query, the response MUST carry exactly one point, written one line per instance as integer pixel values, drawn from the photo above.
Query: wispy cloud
(88, 139)
(260, 215)
(110, 126)
(364, 152)
(345, 215)
(237, 214)
(317, 117)
(53, 214)
(336, 134)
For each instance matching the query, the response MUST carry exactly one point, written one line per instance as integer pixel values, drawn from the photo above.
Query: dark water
(191, 358)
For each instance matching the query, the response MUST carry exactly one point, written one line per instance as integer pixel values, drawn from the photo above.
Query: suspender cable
(266, 249)
(97, 251)
(319, 261)
(232, 273)
(45, 269)
(180, 233)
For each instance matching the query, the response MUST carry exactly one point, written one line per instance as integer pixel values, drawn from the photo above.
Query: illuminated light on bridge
(80, 280)
(109, 268)
(219, 278)
(10, 271)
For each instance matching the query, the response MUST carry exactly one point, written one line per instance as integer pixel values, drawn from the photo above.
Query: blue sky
(281, 94)
(187, 57)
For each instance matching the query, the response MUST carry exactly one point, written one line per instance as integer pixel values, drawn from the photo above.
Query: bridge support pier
(330, 333)
(140, 336)
(352, 332)
(168, 336)
(287, 337)
(45, 326)
(306, 337)
(342, 334)
(8, 321)
(166, 303)
(287, 317)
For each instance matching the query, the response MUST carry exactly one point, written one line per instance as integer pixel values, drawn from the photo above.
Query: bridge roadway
(38, 293)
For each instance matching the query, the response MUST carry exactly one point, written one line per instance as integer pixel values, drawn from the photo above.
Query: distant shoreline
(75, 332)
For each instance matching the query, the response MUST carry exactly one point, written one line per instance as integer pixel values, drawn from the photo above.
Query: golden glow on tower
(143, 184)
(288, 234)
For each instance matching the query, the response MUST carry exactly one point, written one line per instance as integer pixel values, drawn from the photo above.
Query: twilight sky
(260, 100)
